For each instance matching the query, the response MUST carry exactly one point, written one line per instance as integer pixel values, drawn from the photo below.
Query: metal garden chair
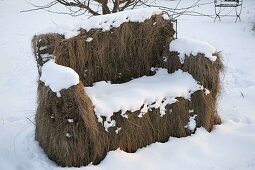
(220, 5)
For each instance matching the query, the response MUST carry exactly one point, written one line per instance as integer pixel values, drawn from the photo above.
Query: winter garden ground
(230, 146)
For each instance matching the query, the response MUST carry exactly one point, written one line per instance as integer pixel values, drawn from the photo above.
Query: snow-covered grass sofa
(117, 83)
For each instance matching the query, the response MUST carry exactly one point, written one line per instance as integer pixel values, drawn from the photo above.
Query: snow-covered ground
(230, 146)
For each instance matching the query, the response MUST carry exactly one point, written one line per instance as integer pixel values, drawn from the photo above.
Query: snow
(229, 146)
(185, 47)
(108, 123)
(117, 130)
(68, 135)
(89, 39)
(70, 120)
(58, 77)
(151, 91)
(46, 57)
(105, 22)
(192, 123)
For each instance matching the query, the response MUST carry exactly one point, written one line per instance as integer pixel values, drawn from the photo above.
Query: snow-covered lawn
(230, 146)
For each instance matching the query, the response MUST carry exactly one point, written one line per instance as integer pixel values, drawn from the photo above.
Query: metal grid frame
(236, 4)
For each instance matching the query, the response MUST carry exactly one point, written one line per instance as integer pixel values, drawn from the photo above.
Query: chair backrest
(228, 1)
(118, 55)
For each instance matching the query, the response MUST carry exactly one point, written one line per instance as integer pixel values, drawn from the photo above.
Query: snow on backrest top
(106, 22)
(186, 47)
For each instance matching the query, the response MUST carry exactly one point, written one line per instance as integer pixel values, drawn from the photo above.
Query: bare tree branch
(80, 7)
(40, 7)
(78, 4)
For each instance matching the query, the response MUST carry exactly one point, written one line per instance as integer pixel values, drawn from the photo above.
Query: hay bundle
(132, 132)
(138, 132)
(70, 134)
(43, 46)
(201, 68)
(118, 55)
(205, 71)
(67, 128)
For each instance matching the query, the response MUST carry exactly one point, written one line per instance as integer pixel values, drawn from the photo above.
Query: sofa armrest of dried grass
(203, 70)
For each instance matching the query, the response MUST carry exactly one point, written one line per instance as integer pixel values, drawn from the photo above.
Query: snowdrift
(72, 123)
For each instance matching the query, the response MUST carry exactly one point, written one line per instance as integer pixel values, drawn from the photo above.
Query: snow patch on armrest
(58, 77)
(191, 46)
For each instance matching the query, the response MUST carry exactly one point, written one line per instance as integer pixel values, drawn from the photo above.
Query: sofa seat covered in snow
(121, 81)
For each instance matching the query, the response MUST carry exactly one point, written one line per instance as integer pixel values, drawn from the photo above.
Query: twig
(30, 120)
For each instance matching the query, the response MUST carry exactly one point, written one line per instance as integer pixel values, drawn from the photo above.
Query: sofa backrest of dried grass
(118, 55)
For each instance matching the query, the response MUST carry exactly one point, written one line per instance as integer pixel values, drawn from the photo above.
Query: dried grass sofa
(122, 48)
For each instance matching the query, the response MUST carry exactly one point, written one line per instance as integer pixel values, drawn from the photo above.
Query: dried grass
(117, 55)
(44, 44)
(89, 142)
(201, 68)
(74, 143)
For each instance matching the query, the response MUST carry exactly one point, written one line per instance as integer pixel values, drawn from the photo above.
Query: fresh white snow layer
(229, 146)
(185, 47)
(106, 22)
(89, 39)
(192, 123)
(148, 91)
(58, 77)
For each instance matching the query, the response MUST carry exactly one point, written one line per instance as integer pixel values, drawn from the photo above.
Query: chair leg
(238, 13)
(217, 16)
(238, 18)
(217, 13)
